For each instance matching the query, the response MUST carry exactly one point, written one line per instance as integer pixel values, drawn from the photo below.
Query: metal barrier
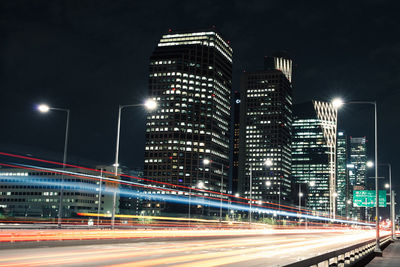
(344, 257)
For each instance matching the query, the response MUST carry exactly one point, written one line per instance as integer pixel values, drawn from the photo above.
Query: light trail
(271, 248)
(149, 180)
(176, 196)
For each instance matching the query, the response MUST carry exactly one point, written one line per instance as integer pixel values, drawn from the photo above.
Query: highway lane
(268, 248)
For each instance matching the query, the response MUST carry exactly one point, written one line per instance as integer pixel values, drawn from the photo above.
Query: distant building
(358, 158)
(35, 193)
(343, 199)
(191, 79)
(358, 172)
(265, 132)
(313, 150)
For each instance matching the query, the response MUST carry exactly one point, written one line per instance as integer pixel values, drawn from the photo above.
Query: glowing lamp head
(150, 104)
(348, 201)
(387, 186)
(300, 194)
(43, 108)
(200, 185)
(268, 183)
(268, 163)
(237, 195)
(370, 164)
(206, 161)
(335, 194)
(337, 103)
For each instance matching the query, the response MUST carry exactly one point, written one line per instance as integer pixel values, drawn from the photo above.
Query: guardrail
(348, 256)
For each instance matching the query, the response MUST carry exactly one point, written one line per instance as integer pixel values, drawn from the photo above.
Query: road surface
(268, 248)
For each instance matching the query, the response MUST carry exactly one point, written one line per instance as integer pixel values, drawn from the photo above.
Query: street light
(392, 202)
(268, 163)
(207, 162)
(370, 164)
(300, 196)
(337, 103)
(149, 105)
(43, 108)
(200, 185)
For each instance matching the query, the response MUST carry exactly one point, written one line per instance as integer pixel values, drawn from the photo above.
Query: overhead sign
(367, 198)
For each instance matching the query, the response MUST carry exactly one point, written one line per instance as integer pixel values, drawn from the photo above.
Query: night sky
(91, 56)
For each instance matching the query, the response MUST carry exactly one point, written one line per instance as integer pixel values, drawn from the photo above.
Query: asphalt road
(266, 249)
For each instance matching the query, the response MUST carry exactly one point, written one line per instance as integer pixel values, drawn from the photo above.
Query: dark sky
(91, 56)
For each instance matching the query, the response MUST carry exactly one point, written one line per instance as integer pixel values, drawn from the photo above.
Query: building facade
(313, 153)
(343, 199)
(358, 173)
(358, 159)
(191, 79)
(265, 133)
(36, 193)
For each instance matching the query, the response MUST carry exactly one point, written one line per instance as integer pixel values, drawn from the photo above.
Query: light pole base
(378, 252)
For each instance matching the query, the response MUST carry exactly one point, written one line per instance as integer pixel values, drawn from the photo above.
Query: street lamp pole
(206, 162)
(338, 103)
(377, 246)
(391, 197)
(99, 201)
(190, 193)
(300, 194)
(60, 208)
(150, 105)
(251, 190)
(44, 109)
(222, 182)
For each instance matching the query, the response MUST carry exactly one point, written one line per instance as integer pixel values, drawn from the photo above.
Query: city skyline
(101, 119)
(199, 133)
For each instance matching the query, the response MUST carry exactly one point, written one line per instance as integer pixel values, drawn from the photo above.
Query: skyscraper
(342, 181)
(191, 79)
(358, 171)
(313, 150)
(265, 132)
(358, 158)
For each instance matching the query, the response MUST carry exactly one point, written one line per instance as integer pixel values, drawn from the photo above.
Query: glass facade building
(265, 132)
(358, 172)
(190, 76)
(358, 159)
(342, 181)
(313, 148)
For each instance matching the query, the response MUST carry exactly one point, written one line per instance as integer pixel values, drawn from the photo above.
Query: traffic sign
(367, 198)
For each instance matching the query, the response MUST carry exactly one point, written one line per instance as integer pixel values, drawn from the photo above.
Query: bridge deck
(391, 256)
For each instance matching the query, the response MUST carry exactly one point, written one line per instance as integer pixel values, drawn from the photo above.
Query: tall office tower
(313, 153)
(342, 181)
(279, 61)
(358, 172)
(265, 134)
(191, 79)
(358, 160)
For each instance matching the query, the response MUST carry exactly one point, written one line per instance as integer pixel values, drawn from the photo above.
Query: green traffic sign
(367, 198)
